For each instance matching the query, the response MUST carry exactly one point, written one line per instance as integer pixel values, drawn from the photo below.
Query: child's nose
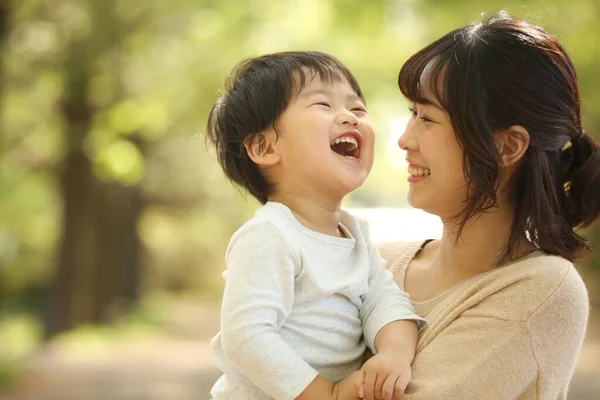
(347, 118)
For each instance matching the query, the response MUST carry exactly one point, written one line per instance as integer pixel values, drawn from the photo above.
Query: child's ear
(512, 144)
(261, 148)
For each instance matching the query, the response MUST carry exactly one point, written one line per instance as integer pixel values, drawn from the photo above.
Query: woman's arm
(475, 357)
(485, 353)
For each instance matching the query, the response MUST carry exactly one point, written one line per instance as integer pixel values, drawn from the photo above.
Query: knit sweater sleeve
(484, 355)
(475, 357)
(557, 329)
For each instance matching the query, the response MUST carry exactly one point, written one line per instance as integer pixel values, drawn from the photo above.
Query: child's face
(326, 142)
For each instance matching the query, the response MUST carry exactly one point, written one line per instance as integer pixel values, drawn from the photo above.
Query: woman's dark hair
(506, 72)
(257, 92)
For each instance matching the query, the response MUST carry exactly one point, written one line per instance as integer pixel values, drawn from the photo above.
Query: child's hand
(385, 376)
(348, 388)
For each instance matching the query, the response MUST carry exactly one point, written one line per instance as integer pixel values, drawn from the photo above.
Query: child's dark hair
(257, 92)
(506, 72)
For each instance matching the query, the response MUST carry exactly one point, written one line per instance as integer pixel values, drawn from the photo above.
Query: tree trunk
(99, 270)
(71, 292)
(99, 257)
(117, 261)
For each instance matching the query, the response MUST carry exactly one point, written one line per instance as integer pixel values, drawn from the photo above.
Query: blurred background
(114, 215)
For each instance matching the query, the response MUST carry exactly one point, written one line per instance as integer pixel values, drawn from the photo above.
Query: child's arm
(321, 388)
(391, 330)
(385, 302)
(258, 297)
(386, 375)
(400, 337)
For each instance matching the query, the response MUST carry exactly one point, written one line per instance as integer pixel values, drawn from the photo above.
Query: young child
(306, 290)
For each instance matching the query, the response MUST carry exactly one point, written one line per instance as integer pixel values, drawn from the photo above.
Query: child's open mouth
(346, 146)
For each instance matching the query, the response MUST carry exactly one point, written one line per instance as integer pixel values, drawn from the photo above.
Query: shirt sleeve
(385, 302)
(258, 297)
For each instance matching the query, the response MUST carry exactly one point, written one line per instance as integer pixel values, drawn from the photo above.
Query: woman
(496, 149)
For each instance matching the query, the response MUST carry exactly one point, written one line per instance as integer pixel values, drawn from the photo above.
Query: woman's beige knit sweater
(512, 333)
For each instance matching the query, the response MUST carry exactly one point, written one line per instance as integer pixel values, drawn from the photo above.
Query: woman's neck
(481, 245)
(316, 215)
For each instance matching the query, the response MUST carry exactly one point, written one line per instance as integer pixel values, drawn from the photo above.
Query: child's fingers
(387, 391)
(361, 384)
(379, 383)
(400, 387)
(369, 385)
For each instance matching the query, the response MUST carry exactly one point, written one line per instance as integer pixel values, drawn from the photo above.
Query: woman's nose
(408, 139)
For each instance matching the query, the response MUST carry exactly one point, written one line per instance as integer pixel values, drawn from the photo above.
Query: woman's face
(435, 161)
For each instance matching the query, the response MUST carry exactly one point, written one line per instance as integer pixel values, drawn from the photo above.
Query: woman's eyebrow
(428, 102)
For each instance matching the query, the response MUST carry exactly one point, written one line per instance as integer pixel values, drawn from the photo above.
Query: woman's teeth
(415, 171)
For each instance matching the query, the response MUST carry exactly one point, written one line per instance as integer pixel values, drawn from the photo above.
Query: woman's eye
(415, 114)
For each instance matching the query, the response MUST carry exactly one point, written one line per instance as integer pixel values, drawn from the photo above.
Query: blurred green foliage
(147, 73)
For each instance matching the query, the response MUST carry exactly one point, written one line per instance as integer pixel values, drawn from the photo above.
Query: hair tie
(570, 142)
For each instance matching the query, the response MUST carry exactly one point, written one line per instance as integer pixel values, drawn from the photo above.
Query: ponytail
(581, 174)
(557, 193)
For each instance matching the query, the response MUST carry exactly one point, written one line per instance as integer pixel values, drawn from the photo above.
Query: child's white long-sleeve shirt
(298, 304)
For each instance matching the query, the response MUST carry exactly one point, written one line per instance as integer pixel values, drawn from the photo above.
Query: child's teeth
(347, 139)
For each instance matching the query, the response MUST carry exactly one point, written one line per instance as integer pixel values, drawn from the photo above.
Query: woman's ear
(512, 144)
(261, 148)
